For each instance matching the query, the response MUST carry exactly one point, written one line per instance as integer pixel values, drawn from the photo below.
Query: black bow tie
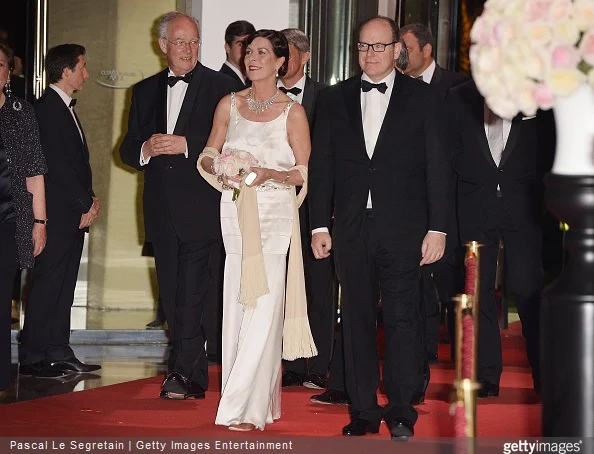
(72, 103)
(172, 80)
(294, 91)
(368, 86)
(420, 77)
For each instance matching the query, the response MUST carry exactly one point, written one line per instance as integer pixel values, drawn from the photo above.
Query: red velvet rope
(460, 421)
(467, 340)
(471, 267)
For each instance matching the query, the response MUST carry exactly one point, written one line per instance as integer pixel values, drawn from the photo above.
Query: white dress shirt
(67, 100)
(428, 73)
(236, 71)
(175, 99)
(488, 115)
(300, 84)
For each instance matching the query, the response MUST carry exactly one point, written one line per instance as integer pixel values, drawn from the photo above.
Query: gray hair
(297, 38)
(170, 16)
(402, 60)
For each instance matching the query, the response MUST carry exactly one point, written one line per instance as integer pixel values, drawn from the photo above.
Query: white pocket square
(529, 117)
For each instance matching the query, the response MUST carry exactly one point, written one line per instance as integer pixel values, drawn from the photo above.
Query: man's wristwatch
(40, 221)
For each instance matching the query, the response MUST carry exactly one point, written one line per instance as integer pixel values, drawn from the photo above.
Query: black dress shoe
(40, 369)
(418, 399)
(432, 358)
(359, 427)
(74, 365)
(487, 390)
(178, 387)
(331, 397)
(156, 324)
(401, 429)
(315, 381)
(291, 378)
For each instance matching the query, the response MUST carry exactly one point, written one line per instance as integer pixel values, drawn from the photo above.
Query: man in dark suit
(319, 274)
(441, 280)
(170, 120)
(235, 36)
(378, 167)
(71, 208)
(499, 197)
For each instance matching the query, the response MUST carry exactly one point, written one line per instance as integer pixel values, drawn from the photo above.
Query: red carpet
(133, 408)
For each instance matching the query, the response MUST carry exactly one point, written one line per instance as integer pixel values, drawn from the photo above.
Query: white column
(215, 15)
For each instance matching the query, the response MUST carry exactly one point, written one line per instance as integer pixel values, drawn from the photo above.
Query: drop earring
(16, 104)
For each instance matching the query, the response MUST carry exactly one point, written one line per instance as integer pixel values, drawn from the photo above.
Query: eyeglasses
(182, 44)
(377, 47)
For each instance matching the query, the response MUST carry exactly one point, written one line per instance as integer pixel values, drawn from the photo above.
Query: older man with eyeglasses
(170, 119)
(377, 165)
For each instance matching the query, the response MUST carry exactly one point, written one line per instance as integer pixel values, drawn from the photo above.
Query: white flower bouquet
(234, 163)
(526, 53)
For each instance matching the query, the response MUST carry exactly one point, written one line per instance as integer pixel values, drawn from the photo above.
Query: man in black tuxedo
(170, 120)
(499, 197)
(235, 36)
(319, 274)
(440, 280)
(71, 208)
(378, 167)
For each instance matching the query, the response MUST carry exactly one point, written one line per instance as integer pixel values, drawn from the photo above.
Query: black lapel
(161, 103)
(74, 128)
(85, 146)
(397, 104)
(514, 133)
(188, 104)
(436, 76)
(352, 97)
(308, 97)
(478, 118)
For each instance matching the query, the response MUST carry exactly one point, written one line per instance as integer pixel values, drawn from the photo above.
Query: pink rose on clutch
(234, 163)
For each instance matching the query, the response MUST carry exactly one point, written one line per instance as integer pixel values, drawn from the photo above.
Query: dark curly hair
(7, 51)
(279, 43)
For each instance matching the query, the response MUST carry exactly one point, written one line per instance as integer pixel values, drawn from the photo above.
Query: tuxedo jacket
(173, 189)
(68, 183)
(518, 174)
(408, 173)
(239, 84)
(311, 91)
(443, 80)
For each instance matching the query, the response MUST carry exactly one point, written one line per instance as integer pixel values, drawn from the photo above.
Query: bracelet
(212, 169)
(286, 179)
(40, 221)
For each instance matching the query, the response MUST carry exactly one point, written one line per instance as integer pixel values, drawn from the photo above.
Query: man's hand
(433, 247)
(39, 238)
(159, 144)
(88, 218)
(321, 244)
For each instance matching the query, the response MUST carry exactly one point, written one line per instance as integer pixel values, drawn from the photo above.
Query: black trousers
(523, 281)
(46, 332)
(184, 279)
(360, 265)
(8, 268)
(441, 282)
(213, 318)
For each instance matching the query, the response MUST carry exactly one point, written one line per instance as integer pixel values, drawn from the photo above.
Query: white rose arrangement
(526, 53)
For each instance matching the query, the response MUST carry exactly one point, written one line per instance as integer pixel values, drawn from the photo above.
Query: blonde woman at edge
(264, 306)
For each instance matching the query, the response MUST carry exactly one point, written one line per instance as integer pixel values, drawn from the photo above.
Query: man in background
(320, 280)
(71, 209)
(235, 36)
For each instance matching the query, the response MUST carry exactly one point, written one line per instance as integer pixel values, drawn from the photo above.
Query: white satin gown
(252, 338)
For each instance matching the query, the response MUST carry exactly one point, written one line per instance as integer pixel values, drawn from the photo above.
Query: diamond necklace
(260, 106)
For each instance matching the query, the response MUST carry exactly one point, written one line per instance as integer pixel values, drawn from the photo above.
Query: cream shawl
(297, 339)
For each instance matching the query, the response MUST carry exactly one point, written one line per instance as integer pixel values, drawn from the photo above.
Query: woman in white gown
(265, 122)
